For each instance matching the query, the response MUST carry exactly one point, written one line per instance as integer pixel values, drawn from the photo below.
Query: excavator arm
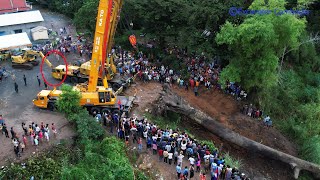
(45, 59)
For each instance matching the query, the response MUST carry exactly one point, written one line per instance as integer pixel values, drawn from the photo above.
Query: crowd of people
(65, 43)
(172, 146)
(32, 135)
(203, 74)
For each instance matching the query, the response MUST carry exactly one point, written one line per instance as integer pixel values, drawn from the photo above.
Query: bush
(232, 162)
(311, 149)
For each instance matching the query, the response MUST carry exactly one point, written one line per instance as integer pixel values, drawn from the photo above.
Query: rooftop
(20, 18)
(8, 6)
(14, 41)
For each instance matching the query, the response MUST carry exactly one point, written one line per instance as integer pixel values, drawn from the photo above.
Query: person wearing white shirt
(191, 160)
(180, 157)
(184, 146)
(145, 134)
(170, 156)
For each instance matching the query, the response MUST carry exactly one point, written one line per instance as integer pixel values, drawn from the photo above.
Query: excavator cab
(28, 54)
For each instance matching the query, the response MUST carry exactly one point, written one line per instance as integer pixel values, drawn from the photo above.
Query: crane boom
(102, 27)
(114, 23)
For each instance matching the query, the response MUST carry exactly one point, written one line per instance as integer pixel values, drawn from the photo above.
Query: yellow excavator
(26, 59)
(95, 98)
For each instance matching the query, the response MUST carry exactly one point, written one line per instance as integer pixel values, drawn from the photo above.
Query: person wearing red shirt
(207, 152)
(191, 81)
(160, 153)
(202, 176)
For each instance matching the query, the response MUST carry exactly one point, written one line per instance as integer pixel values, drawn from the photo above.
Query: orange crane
(95, 98)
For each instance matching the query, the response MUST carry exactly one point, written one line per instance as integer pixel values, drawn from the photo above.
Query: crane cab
(102, 97)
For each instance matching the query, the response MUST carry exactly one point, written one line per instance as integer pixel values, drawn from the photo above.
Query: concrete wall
(24, 27)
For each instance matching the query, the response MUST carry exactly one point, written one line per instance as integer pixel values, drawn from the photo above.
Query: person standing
(178, 169)
(24, 139)
(46, 135)
(139, 144)
(16, 87)
(22, 146)
(45, 86)
(170, 157)
(186, 172)
(13, 134)
(54, 130)
(25, 130)
(1, 120)
(39, 82)
(165, 155)
(202, 176)
(195, 90)
(180, 158)
(25, 80)
(5, 130)
(160, 153)
(110, 123)
(16, 151)
(36, 141)
(191, 170)
(198, 163)
(40, 134)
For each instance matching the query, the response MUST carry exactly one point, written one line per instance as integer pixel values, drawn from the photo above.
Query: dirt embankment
(226, 110)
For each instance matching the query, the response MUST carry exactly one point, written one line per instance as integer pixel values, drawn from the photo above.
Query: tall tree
(258, 44)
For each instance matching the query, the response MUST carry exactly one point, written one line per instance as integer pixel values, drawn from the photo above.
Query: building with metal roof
(12, 41)
(19, 22)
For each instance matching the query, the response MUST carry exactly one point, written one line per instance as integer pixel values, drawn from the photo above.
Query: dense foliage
(275, 61)
(102, 160)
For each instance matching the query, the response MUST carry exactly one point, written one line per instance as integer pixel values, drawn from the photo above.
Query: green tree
(69, 101)
(85, 17)
(258, 45)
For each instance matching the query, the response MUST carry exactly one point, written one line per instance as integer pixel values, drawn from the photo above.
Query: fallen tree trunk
(171, 101)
